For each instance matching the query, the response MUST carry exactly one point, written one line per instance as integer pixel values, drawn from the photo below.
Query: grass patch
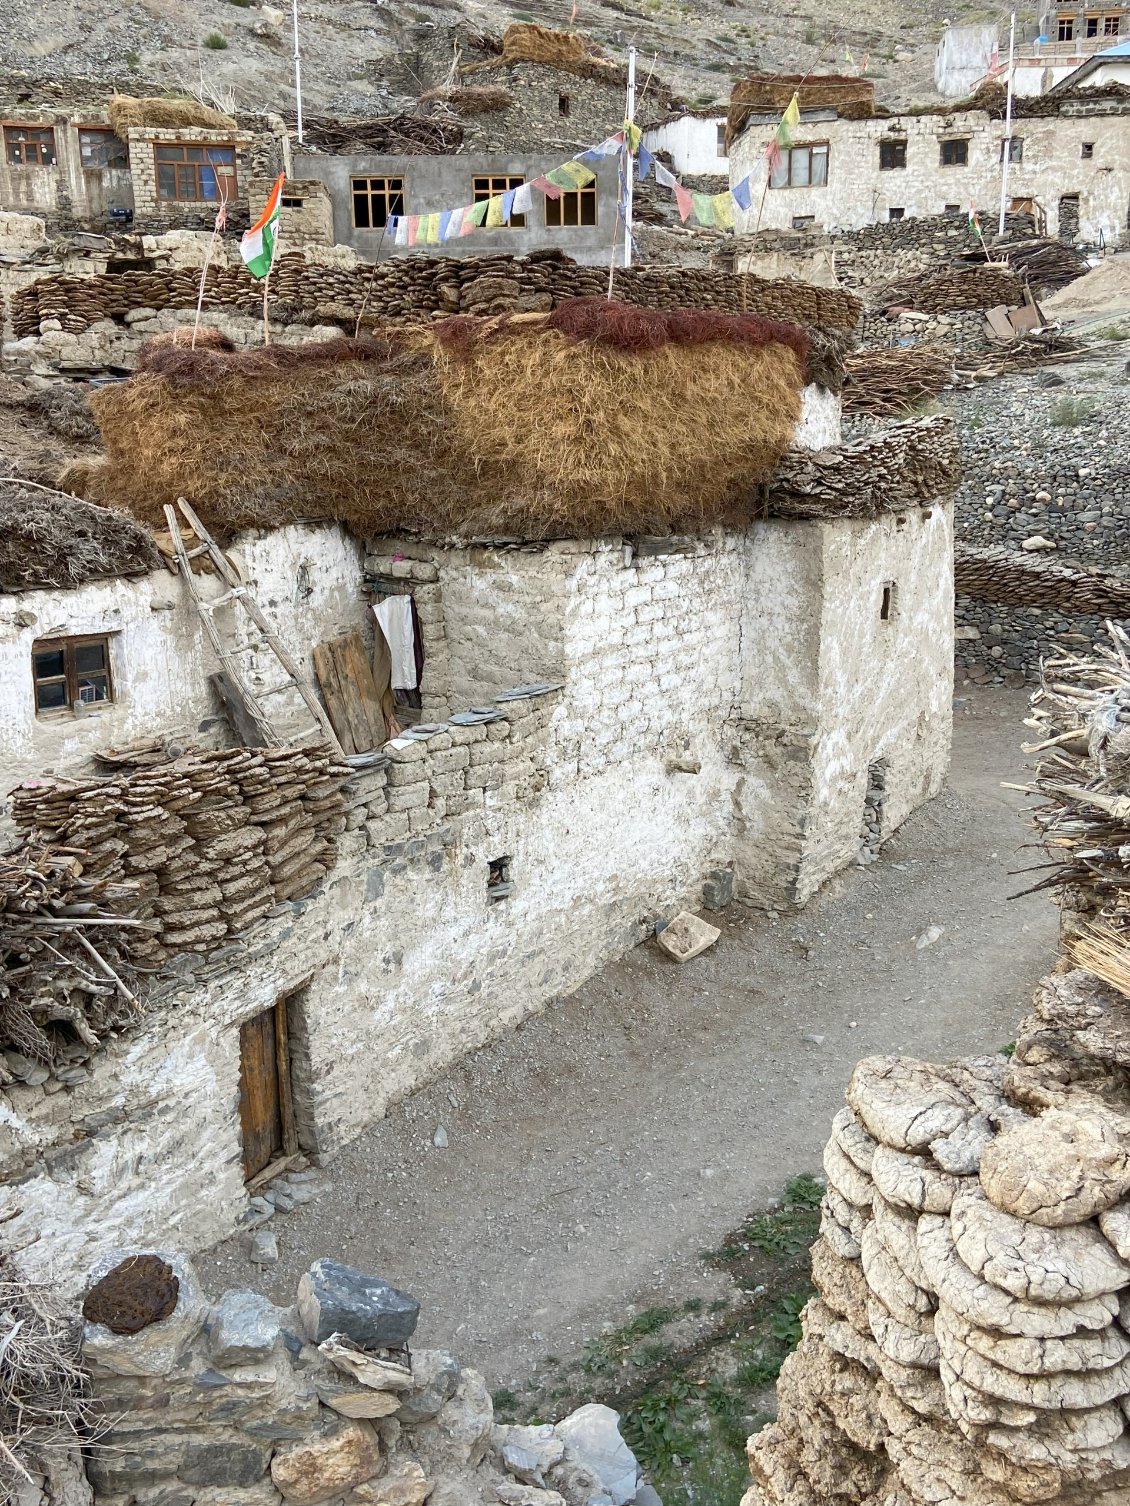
(782, 1234)
(1070, 412)
(215, 41)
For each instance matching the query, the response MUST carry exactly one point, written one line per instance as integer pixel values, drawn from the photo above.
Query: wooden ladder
(253, 724)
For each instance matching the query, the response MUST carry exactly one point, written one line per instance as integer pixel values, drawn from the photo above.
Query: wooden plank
(356, 673)
(244, 724)
(275, 1169)
(325, 667)
(259, 1115)
(282, 1065)
(355, 713)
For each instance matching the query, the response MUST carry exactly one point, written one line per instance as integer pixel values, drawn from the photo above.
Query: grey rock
(226, 1463)
(264, 1247)
(335, 1298)
(529, 1453)
(156, 1349)
(591, 1435)
(243, 1328)
(647, 1495)
(436, 1374)
(718, 889)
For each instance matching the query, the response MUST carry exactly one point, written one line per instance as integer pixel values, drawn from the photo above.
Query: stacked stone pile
(969, 1341)
(246, 1404)
(910, 463)
(412, 287)
(213, 840)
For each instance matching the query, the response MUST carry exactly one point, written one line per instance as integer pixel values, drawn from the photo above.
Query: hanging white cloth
(394, 617)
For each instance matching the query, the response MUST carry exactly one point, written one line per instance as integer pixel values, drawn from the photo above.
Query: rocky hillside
(239, 51)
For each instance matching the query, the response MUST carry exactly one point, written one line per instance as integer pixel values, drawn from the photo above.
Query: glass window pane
(208, 189)
(166, 181)
(92, 688)
(49, 663)
(194, 154)
(800, 173)
(90, 656)
(361, 211)
(51, 697)
(780, 172)
(820, 166)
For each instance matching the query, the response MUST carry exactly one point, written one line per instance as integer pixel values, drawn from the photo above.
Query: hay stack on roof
(851, 97)
(50, 539)
(570, 51)
(128, 112)
(470, 99)
(598, 418)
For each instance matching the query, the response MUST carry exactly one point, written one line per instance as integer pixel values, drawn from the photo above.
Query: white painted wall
(306, 577)
(859, 192)
(720, 705)
(963, 58)
(692, 141)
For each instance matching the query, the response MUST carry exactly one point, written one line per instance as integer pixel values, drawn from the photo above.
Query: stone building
(612, 724)
(695, 140)
(1068, 165)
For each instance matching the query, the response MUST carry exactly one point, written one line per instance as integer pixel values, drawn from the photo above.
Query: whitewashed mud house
(855, 163)
(569, 688)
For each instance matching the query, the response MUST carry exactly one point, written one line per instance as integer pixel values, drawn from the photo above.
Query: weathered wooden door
(260, 1097)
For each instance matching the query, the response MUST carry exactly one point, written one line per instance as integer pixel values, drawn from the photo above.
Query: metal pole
(297, 67)
(1007, 148)
(629, 181)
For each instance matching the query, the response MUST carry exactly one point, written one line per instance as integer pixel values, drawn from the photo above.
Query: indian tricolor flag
(257, 246)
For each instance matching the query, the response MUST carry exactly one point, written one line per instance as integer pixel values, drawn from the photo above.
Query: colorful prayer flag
(606, 148)
(433, 229)
(703, 206)
(741, 192)
(789, 119)
(571, 175)
(523, 199)
(543, 185)
(494, 213)
(454, 224)
(633, 134)
(508, 205)
(257, 245)
(974, 218)
(645, 161)
(722, 205)
(445, 223)
(476, 214)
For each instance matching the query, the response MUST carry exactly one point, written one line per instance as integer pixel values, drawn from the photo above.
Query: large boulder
(336, 1299)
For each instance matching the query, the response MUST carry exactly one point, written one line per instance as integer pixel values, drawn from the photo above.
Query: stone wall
(157, 214)
(700, 677)
(964, 329)
(242, 1403)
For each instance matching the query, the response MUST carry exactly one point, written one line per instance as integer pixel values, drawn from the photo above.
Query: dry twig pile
(892, 383)
(50, 539)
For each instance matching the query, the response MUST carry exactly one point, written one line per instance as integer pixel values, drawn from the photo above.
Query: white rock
(592, 1435)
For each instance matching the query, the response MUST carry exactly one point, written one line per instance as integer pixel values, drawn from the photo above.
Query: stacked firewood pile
(408, 288)
(1045, 265)
(909, 464)
(1014, 578)
(1082, 712)
(891, 383)
(70, 944)
(212, 841)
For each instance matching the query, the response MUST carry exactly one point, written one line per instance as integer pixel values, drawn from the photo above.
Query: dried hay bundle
(204, 338)
(1082, 711)
(596, 418)
(50, 539)
(45, 1403)
(852, 97)
(471, 99)
(127, 112)
(1105, 953)
(570, 51)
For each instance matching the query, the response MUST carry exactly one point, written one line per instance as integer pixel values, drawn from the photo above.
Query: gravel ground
(593, 1152)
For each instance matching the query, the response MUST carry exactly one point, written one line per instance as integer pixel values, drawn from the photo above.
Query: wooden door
(260, 1097)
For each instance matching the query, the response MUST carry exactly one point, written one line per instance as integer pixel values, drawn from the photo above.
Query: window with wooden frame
(374, 200)
(802, 166)
(1112, 26)
(720, 142)
(576, 206)
(491, 186)
(194, 174)
(101, 148)
(892, 153)
(30, 146)
(1092, 26)
(69, 672)
(954, 153)
(1065, 29)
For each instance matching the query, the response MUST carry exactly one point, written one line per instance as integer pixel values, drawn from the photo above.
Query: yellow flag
(791, 117)
(723, 210)
(494, 213)
(433, 230)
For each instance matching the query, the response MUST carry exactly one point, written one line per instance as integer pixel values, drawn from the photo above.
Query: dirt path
(594, 1151)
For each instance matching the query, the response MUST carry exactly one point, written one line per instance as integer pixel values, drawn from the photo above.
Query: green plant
(783, 1233)
(215, 41)
(660, 1427)
(784, 1323)
(504, 1399)
(810, 35)
(133, 61)
(1070, 412)
(243, 4)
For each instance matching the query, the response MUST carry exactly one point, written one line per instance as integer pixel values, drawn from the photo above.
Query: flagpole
(1007, 154)
(297, 67)
(630, 179)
